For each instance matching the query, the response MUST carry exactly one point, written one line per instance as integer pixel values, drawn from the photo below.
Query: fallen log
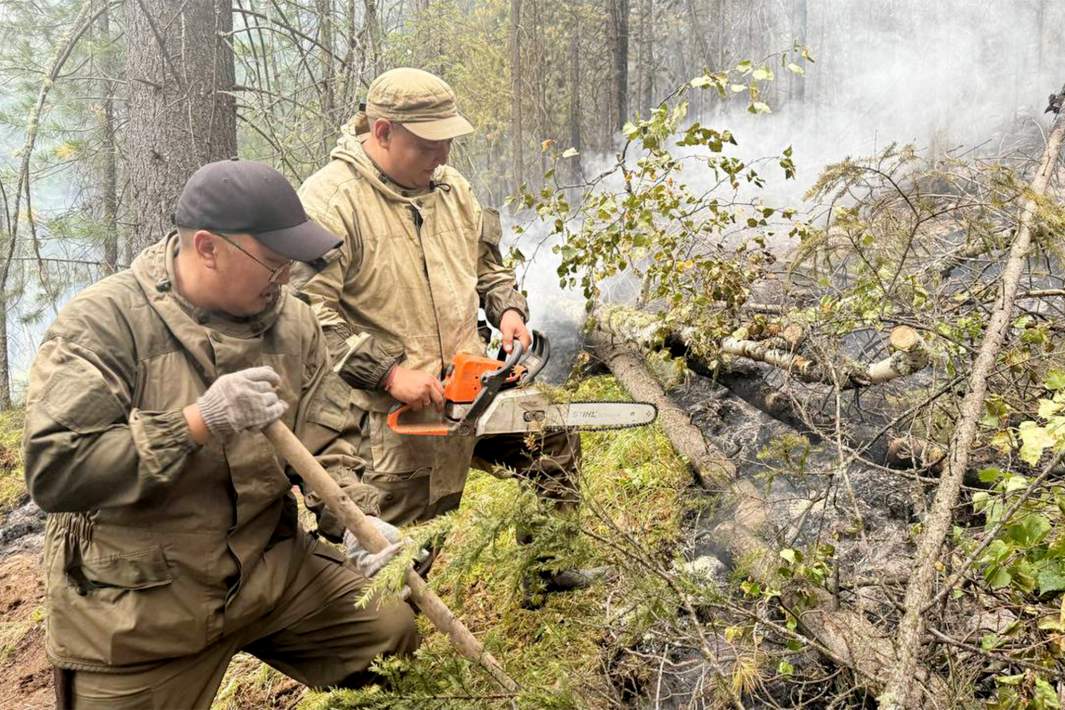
(775, 346)
(712, 468)
(845, 636)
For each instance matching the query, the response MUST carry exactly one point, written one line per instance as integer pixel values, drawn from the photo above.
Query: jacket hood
(349, 149)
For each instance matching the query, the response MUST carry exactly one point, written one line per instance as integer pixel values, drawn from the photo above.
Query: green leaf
(989, 642)
(1029, 531)
(1045, 697)
(795, 68)
(785, 668)
(1034, 439)
(1052, 577)
(1016, 483)
(759, 107)
(998, 577)
(570, 153)
(1049, 407)
(790, 555)
(701, 82)
(1055, 380)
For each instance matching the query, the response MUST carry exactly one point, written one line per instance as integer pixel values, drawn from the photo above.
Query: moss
(633, 486)
(12, 482)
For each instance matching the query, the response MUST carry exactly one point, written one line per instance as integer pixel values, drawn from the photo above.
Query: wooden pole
(295, 453)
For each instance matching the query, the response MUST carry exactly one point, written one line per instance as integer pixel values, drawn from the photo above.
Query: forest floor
(564, 652)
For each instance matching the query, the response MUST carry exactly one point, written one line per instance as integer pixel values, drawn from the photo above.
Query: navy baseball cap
(243, 196)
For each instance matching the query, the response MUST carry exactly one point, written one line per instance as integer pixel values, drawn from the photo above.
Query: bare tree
(618, 38)
(108, 163)
(181, 108)
(517, 136)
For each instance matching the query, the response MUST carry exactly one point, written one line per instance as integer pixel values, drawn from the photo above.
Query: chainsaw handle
(420, 429)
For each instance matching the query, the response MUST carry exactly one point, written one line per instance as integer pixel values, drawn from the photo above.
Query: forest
(825, 238)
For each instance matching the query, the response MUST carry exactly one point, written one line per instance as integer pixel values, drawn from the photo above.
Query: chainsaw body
(485, 396)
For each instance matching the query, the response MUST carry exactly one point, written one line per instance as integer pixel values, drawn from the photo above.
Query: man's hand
(370, 564)
(512, 325)
(416, 388)
(242, 400)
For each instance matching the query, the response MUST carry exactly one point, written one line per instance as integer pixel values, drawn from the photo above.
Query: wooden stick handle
(295, 453)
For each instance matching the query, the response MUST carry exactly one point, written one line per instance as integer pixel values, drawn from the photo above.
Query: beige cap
(421, 101)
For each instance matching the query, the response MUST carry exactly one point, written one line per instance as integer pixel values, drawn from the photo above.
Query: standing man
(400, 297)
(172, 539)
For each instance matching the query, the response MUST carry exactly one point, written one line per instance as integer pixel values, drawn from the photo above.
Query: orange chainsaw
(483, 397)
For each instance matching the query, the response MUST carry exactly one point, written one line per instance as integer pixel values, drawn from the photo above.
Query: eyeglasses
(275, 273)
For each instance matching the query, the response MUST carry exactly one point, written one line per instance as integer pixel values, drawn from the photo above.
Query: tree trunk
(797, 84)
(618, 19)
(575, 91)
(373, 31)
(517, 137)
(647, 54)
(327, 77)
(843, 635)
(182, 113)
(108, 157)
(900, 690)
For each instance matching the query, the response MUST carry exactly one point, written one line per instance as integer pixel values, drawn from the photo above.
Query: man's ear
(382, 131)
(206, 245)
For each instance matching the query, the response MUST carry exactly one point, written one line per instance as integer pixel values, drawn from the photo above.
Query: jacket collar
(349, 148)
(154, 270)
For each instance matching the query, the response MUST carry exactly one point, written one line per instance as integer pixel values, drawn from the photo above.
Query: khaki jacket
(407, 282)
(155, 547)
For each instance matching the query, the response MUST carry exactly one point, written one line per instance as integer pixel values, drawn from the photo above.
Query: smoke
(952, 77)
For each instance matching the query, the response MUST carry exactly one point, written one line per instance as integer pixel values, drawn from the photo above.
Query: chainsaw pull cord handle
(493, 381)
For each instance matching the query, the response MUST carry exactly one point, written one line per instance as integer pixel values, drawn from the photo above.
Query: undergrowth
(633, 487)
(12, 483)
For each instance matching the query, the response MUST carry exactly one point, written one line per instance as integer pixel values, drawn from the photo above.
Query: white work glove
(241, 400)
(369, 563)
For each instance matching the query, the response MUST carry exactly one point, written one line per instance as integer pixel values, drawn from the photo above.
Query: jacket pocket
(143, 569)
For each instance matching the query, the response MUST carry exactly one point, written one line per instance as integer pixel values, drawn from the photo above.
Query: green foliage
(695, 248)
(632, 486)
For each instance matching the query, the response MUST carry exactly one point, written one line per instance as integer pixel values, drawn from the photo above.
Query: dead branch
(899, 692)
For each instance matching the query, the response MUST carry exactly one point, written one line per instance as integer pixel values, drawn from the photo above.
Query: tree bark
(899, 692)
(373, 31)
(182, 113)
(575, 91)
(517, 137)
(108, 155)
(327, 78)
(618, 36)
(647, 54)
(797, 84)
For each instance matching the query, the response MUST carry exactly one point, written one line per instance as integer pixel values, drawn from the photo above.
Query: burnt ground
(863, 511)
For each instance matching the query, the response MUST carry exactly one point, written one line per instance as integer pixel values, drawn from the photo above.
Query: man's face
(248, 275)
(413, 160)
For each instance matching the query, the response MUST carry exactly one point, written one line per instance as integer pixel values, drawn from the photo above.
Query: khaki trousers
(315, 635)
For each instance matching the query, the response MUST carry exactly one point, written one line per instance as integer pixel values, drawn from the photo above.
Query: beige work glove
(242, 400)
